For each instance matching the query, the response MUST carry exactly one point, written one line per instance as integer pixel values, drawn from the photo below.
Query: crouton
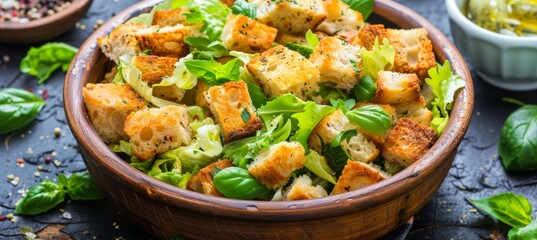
(340, 18)
(281, 70)
(108, 106)
(232, 108)
(357, 175)
(397, 88)
(357, 147)
(157, 130)
(134, 38)
(416, 111)
(274, 167)
(154, 68)
(302, 189)
(170, 17)
(109, 76)
(202, 181)
(413, 51)
(201, 95)
(246, 35)
(284, 38)
(367, 35)
(229, 3)
(407, 142)
(336, 61)
(377, 138)
(290, 16)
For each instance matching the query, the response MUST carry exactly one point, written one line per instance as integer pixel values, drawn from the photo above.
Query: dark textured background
(476, 172)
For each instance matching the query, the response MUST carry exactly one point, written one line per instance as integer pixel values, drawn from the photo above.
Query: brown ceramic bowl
(166, 211)
(45, 28)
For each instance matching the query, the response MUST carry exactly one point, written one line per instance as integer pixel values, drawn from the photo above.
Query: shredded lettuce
(381, 57)
(147, 18)
(213, 13)
(181, 77)
(444, 84)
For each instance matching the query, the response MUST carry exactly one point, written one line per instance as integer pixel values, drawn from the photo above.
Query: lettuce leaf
(244, 8)
(307, 120)
(212, 72)
(147, 18)
(381, 57)
(317, 165)
(213, 13)
(181, 77)
(203, 48)
(284, 105)
(444, 84)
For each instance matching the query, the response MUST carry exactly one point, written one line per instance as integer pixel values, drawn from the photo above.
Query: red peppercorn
(2, 217)
(20, 161)
(45, 94)
(48, 159)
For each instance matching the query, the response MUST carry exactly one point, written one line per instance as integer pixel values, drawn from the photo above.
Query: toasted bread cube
(274, 167)
(108, 106)
(407, 142)
(378, 138)
(134, 38)
(202, 181)
(284, 38)
(154, 68)
(340, 18)
(397, 88)
(413, 51)
(281, 70)
(302, 189)
(228, 3)
(109, 76)
(367, 36)
(291, 16)
(336, 61)
(201, 95)
(416, 111)
(246, 35)
(357, 175)
(170, 17)
(232, 108)
(358, 147)
(157, 130)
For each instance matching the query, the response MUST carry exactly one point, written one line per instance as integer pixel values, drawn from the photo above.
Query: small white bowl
(506, 62)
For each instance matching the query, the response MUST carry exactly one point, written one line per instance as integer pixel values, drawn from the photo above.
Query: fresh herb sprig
(17, 108)
(43, 61)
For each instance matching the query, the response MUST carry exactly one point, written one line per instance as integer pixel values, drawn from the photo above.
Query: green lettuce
(43, 61)
(205, 49)
(381, 57)
(444, 84)
(307, 120)
(214, 73)
(147, 18)
(181, 77)
(317, 165)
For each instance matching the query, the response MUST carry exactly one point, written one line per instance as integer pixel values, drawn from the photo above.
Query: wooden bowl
(167, 211)
(45, 28)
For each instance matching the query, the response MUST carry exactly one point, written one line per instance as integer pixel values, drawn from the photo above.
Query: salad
(269, 100)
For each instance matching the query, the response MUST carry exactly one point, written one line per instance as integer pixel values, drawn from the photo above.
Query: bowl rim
(72, 9)
(268, 211)
(455, 13)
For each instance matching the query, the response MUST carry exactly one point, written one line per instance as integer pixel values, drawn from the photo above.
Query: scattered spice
(48, 159)
(6, 58)
(57, 132)
(57, 163)
(2, 217)
(24, 11)
(67, 215)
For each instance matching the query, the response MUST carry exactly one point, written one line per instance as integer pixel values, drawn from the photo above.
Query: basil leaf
(81, 187)
(17, 108)
(529, 232)
(40, 198)
(372, 118)
(212, 72)
(514, 210)
(365, 90)
(518, 140)
(365, 7)
(346, 135)
(343, 105)
(303, 50)
(244, 8)
(312, 39)
(43, 61)
(237, 183)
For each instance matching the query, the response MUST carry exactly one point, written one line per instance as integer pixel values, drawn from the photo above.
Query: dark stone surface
(476, 172)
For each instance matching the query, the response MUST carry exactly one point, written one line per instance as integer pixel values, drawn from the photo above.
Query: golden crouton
(109, 76)
(357, 175)
(413, 51)
(358, 147)
(229, 3)
(157, 130)
(281, 70)
(397, 88)
(134, 38)
(416, 111)
(108, 106)
(274, 167)
(284, 38)
(377, 138)
(201, 95)
(232, 108)
(246, 35)
(302, 189)
(408, 141)
(170, 17)
(340, 18)
(154, 68)
(336, 61)
(290, 16)
(367, 35)
(202, 181)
